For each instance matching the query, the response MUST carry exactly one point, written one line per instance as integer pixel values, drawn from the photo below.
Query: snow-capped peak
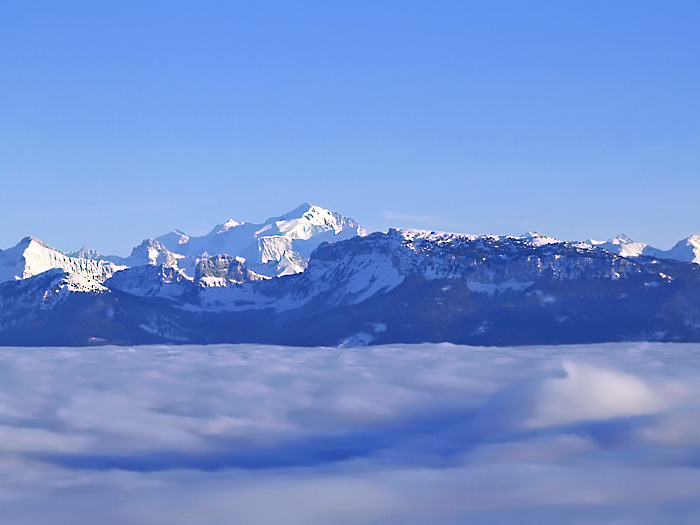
(281, 245)
(175, 237)
(31, 257)
(686, 250)
(537, 239)
(149, 252)
(223, 228)
(622, 239)
(313, 221)
(621, 245)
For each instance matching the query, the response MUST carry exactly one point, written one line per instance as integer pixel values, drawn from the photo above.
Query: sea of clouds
(403, 434)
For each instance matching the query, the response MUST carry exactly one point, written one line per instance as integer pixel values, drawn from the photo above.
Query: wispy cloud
(399, 434)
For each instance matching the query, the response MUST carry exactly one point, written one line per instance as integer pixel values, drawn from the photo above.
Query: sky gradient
(124, 121)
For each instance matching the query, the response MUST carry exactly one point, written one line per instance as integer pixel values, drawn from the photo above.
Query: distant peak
(84, 253)
(148, 243)
(229, 224)
(623, 238)
(537, 239)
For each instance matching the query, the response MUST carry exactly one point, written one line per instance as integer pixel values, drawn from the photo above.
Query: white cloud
(386, 435)
(591, 393)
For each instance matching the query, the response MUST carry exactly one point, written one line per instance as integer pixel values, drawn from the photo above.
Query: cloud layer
(260, 435)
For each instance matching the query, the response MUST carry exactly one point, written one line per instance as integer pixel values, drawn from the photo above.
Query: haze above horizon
(126, 121)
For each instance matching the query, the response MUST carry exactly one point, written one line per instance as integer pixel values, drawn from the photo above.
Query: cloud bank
(410, 434)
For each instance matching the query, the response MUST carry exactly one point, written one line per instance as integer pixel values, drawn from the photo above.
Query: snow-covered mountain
(280, 282)
(151, 280)
(686, 250)
(621, 245)
(279, 246)
(32, 257)
(232, 253)
(168, 281)
(224, 271)
(149, 252)
(355, 271)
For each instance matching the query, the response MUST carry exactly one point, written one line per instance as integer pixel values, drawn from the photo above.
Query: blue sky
(124, 120)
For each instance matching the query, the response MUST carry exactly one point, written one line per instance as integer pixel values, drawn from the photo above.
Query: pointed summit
(621, 239)
(296, 213)
(149, 252)
(174, 238)
(537, 239)
(621, 245)
(223, 228)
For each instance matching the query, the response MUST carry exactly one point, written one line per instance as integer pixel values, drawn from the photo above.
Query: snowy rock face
(224, 270)
(168, 281)
(31, 257)
(279, 246)
(149, 252)
(151, 281)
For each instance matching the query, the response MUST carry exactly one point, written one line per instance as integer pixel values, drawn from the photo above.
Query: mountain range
(314, 277)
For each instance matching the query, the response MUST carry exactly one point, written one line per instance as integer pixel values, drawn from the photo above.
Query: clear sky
(124, 120)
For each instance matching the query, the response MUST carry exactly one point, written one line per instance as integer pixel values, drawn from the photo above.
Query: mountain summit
(279, 246)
